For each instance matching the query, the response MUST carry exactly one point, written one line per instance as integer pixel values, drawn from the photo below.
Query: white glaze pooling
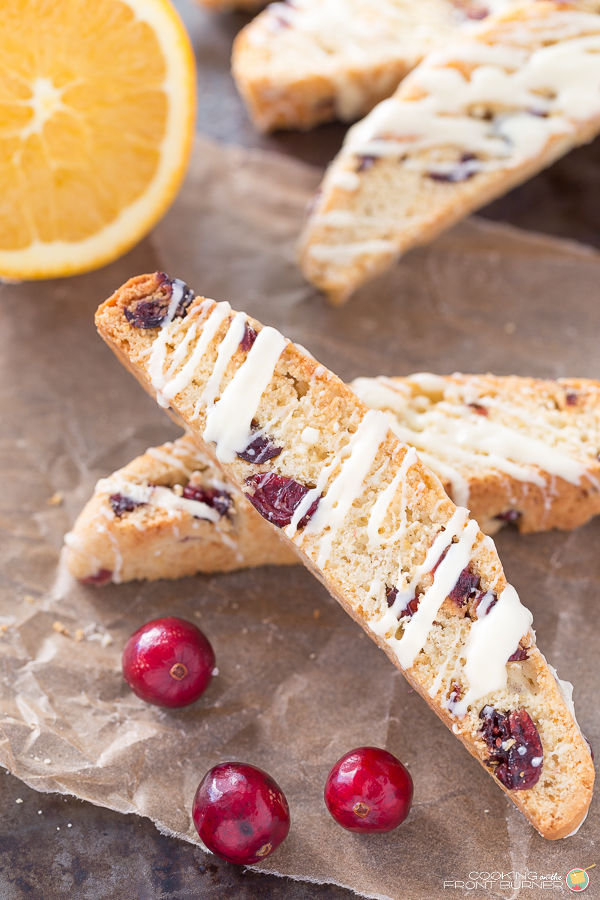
(228, 424)
(535, 94)
(347, 486)
(493, 637)
(156, 496)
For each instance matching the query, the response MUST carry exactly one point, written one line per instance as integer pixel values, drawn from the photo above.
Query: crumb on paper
(18, 800)
(79, 635)
(56, 499)
(69, 825)
(60, 628)
(39, 812)
(28, 598)
(215, 671)
(312, 656)
(198, 614)
(316, 613)
(47, 762)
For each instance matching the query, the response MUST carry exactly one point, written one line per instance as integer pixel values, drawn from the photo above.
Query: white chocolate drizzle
(384, 500)
(156, 496)
(175, 384)
(451, 437)
(493, 637)
(360, 453)
(228, 424)
(541, 91)
(227, 349)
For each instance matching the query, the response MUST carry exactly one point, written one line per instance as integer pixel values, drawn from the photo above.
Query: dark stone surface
(53, 847)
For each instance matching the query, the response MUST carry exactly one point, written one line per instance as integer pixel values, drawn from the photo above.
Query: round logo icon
(577, 880)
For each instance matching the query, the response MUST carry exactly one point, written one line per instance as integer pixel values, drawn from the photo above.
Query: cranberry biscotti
(373, 524)
(299, 64)
(511, 449)
(168, 514)
(473, 120)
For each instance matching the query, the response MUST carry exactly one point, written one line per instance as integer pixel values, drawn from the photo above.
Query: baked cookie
(167, 514)
(299, 64)
(473, 120)
(373, 524)
(511, 449)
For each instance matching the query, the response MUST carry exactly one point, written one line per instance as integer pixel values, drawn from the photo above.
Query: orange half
(97, 106)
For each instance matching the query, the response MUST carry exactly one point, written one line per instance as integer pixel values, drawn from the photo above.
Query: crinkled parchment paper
(298, 682)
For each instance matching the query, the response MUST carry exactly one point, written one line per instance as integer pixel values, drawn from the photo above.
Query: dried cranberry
(440, 560)
(511, 515)
(390, 595)
(369, 791)
(517, 752)
(219, 500)
(102, 576)
(240, 813)
(150, 312)
(572, 398)
(519, 654)
(260, 450)
(250, 336)
(465, 587)
(462, 171)
(168, 662)
(365, 163)
(477, 408)
(122, 504)
(277, 497)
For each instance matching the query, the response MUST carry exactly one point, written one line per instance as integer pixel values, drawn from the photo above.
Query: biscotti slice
(511, 449)
(470, 122)
(168, 514)
(297, 65)
(372, 523)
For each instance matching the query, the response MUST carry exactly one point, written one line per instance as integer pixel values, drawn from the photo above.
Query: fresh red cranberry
(248, 339)
(219, 500)
(102, 576)
(121, 504)
(260, 450)
(168, 662)
(517, 753)
(240, 813)
(276, 498)
(151, 311)
(369, 790)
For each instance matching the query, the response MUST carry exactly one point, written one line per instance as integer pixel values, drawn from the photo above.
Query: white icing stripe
(387, 625)
(228, 347)
(209, 329)
(539, 91)
(158, 354)
(228, 424)
(157, 496)
(360, 454)
(177, 289)
(418, 627)
(384, 500)
(453, 432)
(491, 640)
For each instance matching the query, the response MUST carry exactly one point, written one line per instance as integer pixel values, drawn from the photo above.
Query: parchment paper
(298, 684)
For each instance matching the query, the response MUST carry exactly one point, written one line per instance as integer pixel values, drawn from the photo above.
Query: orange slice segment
(97, 104)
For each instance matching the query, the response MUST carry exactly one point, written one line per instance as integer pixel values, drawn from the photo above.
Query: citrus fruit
(97, 104)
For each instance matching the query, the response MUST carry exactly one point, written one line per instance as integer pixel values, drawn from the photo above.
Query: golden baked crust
(299, 65)
(364, 552)
(446, 144)
(153, 540)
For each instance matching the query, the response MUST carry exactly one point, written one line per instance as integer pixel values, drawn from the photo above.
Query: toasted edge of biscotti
(303, 396)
